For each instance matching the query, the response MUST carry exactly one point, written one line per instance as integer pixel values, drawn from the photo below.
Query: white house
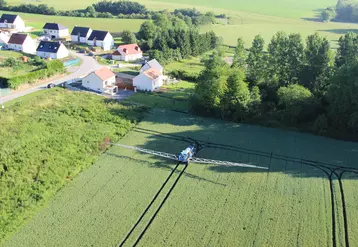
(129, 52)
(51, 49)
(4, 38)
(102, 39)
(102, 80)
(148, 80)
(21, 42)
(12, 22)
(152, 64)
(80, 34)
(55, 31)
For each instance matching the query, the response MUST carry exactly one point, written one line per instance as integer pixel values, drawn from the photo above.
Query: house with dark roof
(102, 80)
(15, 22)
(129, 52)
(80, 34)
(51, 49)
(150, 76)
(21, 42)
(101, 39)
(55, 30)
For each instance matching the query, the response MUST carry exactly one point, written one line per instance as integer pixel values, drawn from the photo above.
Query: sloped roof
(98, 35)
(154, 64)
(83, 31)
(130, 49)
(54, 26)
(49, 46)
(152, 73)
(17, 38)
(104, 73)
(8, 18)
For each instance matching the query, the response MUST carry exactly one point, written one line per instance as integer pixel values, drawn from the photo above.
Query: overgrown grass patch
(46, 140)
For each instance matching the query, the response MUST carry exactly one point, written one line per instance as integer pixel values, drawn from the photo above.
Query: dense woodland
(295, 83)
(170, 37)
(345, 10)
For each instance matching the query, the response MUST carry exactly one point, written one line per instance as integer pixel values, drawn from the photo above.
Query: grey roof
(8, 18)
(83, 31)
(49, 46)
(98, 35)
(54, 26)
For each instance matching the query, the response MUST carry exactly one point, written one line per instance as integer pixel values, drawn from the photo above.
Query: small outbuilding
(102, 80)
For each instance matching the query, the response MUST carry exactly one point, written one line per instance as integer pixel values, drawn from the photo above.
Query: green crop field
(287, 205)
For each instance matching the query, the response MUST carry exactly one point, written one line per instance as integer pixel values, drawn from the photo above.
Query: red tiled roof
(152, 73)
(130, 49)
(104, 73)
(17, 38)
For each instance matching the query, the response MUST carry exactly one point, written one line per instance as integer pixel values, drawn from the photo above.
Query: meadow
(47, 138)
(287, 205)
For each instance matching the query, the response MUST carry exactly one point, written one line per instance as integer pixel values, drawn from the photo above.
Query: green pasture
(211, 205)
(283, 8)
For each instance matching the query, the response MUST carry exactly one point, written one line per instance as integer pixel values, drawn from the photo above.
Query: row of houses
(104, 80)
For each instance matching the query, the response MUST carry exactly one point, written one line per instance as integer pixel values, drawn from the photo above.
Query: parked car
(51, 85)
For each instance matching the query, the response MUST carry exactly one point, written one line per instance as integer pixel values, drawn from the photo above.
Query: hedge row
(184, 75)
(52, 68)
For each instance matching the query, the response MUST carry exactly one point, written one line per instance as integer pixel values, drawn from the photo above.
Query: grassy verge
(173, 97)
(47, 139)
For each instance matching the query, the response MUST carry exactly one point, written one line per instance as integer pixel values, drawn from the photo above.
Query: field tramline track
(330, 170)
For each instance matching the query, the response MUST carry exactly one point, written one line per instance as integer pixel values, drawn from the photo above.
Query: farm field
(284, 8)
(210, 205)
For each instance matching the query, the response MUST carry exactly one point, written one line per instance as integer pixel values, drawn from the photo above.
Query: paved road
(88, 64)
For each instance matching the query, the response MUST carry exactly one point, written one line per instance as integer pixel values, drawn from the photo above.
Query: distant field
(283, 8)
(113, 25)
(289, 205)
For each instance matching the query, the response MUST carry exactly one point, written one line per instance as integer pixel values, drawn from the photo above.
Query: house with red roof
(102, 80)
(21, 42)
(129, 52)
(150, 77)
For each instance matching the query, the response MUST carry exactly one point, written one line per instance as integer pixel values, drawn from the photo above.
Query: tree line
(172, 38)
(345, 10)
(113, 9)
(293, 83)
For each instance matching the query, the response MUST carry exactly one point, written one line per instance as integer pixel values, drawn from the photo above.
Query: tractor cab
(186, 154)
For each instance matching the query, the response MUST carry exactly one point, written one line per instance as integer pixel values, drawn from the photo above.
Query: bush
(52, 68)
(184, 75)
(320, 125)
(328, 14)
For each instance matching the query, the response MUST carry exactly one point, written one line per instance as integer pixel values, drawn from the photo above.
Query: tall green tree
(318, 62)
(237, 96)
(256, 60)
(128, 37)
(278, 59)
(295, 53)
(147, 30)
(240, 55)
(211, 85)
(343, 100)
(347, 52)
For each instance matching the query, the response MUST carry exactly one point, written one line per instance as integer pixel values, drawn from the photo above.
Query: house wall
(63, 33)
(74, 38)
(4, 39)
(62, 52)
(19, 24)
(124, 57)
(93, 82)
(29, 45)
(106, 44)
(46, 54)
(56, 33)
(142, 82)
(15, 47)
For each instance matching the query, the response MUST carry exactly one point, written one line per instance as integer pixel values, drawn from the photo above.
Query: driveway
(88, 65)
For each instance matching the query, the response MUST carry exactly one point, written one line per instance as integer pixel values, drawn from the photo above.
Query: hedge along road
(88, 64)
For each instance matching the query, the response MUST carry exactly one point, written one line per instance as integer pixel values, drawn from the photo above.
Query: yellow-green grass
(289, 205)
(9, 72)
(113, 25)
(284, 8)
(248, 25)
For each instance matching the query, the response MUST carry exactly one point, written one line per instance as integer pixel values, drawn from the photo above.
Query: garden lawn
(47, 138)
